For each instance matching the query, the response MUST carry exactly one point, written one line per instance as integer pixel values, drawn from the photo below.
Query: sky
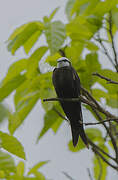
(51, 147)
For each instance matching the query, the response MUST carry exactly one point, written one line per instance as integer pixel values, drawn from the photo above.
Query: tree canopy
(91, 30)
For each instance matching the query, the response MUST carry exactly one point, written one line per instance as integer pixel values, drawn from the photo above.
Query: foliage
(26, 78)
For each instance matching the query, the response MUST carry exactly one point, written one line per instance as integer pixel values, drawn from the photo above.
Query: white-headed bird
(67, 85)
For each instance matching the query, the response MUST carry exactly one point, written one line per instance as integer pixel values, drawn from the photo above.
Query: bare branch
(104, 159)
(94, 105)
(103, 77)
(99, 40)
(106, 120)
(101, 150)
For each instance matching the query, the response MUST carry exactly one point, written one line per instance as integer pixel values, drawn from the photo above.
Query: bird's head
(62, 62)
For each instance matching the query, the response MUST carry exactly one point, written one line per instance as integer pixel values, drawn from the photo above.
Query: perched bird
(67, 85)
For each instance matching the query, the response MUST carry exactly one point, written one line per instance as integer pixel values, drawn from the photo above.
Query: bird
(67, 85)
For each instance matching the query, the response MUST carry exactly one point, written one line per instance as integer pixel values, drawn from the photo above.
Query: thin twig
(112, 40)
(94, 105)
(104, 159)
(97, 105)
(101, 150)
(103, 77)
(109, 132)
(99, 40)
(89, 174)
(106, 120)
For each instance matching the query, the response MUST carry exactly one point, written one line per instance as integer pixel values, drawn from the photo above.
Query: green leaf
(79, 146)
(32, 66)
(99, 166)
(11, 144)
(20, 169)
(4, 112)
(94, 134)
(10, 86)
(112, 101)
(56, 125)
(53, 13)
(91, 46)
(104, 7)
(37, 167)
(31, 41)
(92, 58)
(6, 163)
(55, 35)
(87, 79)
(22, 110)
(15, 70)
(49, 120)
(25, 99)
(78, 30)
(52, 60)
(69, 7)
(73, 53)
(25, 33)
(98, 94)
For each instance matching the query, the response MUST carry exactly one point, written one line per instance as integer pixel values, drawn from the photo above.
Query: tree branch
(94, 105)
(104, 159)
(112, 41)
(99, 40)
(101, 150)
(106, 120)
(103, 77)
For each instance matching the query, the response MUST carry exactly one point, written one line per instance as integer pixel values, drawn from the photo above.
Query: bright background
(52, 147)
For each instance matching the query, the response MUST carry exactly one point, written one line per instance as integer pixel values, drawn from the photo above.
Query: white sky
(52, 147)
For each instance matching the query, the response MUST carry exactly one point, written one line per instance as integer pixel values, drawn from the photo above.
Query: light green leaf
(24, 35)
(49, 120)
(98, 94)
(69, 7)
(56, 125)
(52, 60)
(4, 112)
(11, 144)
(55, 35)
(99, 166)
(92, 58)
(31, 41)
(104, 7)
(22, 110)
(20, 169)
(78, 30)
(10, 86)
(37, 167)
(32, 65)
(15, 69)
(112, 100)
(53, 13)
(6, 163)
(79, 146)
(94, 134)
(91, 46)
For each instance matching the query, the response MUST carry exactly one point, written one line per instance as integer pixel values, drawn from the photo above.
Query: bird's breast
(64, 82)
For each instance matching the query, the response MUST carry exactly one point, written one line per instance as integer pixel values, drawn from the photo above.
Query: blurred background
(51, 147)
